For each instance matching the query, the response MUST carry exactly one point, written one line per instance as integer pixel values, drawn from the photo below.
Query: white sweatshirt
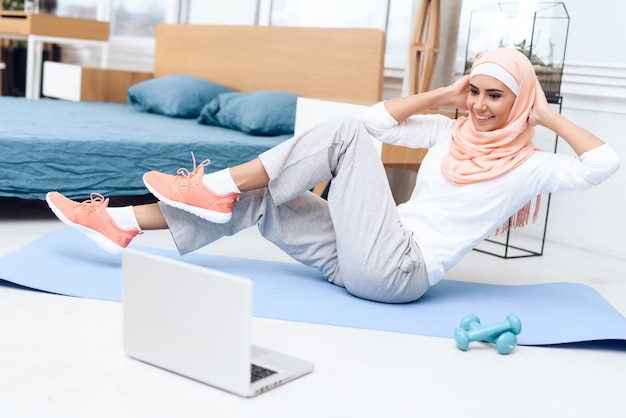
(449, 220)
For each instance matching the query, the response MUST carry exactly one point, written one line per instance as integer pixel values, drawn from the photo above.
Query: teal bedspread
(82, 147)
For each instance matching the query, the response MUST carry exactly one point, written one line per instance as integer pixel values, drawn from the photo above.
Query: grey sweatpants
(354, 238)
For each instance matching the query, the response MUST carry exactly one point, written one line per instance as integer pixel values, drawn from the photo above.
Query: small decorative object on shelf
(539, 30)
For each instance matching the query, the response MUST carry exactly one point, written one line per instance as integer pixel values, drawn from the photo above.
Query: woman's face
(489, 102)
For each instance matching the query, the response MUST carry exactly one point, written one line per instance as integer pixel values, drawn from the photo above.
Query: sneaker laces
(184, 175)
(99, 203)
(95, 202)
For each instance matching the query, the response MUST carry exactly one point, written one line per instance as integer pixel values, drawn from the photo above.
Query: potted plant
(13, 5)
(548, 74)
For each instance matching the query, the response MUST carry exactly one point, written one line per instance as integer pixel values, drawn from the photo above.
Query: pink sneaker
(187, 192)
(91, 218)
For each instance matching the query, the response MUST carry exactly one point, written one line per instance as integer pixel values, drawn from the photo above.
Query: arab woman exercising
(480, 171)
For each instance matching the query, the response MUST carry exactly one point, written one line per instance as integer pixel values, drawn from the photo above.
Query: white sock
(124, 217)
(220, 182)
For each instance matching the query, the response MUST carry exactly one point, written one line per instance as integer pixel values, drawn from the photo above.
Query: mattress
(81, 147)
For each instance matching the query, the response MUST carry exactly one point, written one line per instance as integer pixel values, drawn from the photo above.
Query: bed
(98, 145)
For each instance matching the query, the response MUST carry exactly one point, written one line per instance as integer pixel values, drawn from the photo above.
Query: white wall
(594, 219)
(595, 31)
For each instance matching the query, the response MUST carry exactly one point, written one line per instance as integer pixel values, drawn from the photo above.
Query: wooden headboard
(322, 63)
(339, 64)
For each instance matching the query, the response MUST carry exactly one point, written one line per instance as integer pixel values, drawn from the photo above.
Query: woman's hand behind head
(541, 109)
(458, 92)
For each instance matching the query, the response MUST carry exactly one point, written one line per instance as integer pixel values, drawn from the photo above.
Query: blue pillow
(180, 95)
(263, 113)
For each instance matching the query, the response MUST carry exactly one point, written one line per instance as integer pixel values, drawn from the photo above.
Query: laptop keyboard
(258, 372)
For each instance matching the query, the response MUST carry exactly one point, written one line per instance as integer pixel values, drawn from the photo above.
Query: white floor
(63, 357)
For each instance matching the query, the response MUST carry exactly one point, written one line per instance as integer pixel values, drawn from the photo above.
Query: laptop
(196, 322)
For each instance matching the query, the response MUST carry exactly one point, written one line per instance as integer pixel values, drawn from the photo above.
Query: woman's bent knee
(404, 288)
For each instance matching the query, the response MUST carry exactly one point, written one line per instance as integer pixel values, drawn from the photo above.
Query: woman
(479, 171)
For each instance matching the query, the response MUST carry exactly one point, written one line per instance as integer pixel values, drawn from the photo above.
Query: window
(84, 9)
(399, 30)
(128, 18)
(133, 22)
(220, 12)
(136, 18)
(329, 13)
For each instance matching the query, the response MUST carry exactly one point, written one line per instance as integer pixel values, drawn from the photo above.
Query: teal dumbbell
(502, 334)
(505, 343)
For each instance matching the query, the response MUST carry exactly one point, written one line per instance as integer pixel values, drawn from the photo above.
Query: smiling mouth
(482, 117)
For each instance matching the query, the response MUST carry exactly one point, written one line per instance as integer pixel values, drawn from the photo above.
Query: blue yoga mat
(65, 262)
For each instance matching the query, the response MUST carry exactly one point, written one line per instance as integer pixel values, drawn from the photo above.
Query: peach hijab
(479, 156)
